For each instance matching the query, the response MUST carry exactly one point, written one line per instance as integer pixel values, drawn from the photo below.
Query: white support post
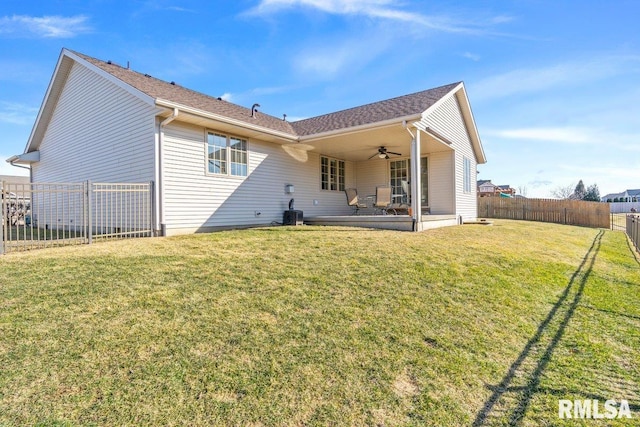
(416, 185)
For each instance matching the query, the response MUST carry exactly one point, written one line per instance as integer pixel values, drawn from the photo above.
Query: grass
(297, 326)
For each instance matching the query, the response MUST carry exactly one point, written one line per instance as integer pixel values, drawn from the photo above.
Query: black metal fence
(40, 215)
(633, 229)
(619, 221)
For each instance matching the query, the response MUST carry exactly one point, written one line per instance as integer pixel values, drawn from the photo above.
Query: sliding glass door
(400, 174)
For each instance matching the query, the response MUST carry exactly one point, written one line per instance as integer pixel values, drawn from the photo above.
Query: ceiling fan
(383, 153)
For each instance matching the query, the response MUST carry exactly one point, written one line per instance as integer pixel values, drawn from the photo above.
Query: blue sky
(554, 85)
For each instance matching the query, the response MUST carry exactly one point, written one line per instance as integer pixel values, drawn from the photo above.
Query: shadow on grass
(498, 404)
(613, 313)
(632, 249)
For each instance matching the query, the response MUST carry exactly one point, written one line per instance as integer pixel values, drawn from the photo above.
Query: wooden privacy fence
(570, 212)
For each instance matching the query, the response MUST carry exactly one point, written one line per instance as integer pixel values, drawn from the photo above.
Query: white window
(226, 155)
(331, 174)
(466, 179)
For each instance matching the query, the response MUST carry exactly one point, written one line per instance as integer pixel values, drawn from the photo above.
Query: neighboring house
(15, 179)
(625, 196)
(216, 164)
(487, 189)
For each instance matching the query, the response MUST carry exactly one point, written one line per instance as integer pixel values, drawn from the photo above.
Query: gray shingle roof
(394, 108)
(160, 89)
(401, 106)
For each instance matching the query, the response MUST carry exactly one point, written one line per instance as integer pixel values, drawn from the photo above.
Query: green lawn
(468, 325)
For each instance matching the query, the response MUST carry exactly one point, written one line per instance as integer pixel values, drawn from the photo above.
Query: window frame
(231, 155)
(335, 172)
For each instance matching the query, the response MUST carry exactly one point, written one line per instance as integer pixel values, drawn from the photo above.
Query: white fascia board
(32, 157)
(467, 114)
(223, 119)
(442, 100)
(60, 72)
(360, 128)
(463, 101)
(43, 105)
(128, 88)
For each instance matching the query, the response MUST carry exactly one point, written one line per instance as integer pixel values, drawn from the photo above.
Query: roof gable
(162, 90)
(170, 95)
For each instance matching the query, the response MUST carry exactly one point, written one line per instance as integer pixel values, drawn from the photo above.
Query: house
(487, 189)
(625, 196)
(217, 165)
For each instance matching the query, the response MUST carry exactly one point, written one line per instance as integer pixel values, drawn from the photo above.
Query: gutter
(11, 160)
(160, 225)
(223, 119)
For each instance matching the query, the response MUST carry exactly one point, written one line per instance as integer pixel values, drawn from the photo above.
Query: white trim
(467, 115)
(228, 137)
(223, 119)
(31, 157)
(50, 87)
(113, 79)
(359, 128)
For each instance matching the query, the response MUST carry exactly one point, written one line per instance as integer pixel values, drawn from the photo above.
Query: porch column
(416, 184)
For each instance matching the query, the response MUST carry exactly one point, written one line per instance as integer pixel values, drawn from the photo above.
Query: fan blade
(373, 156)
(397, 154)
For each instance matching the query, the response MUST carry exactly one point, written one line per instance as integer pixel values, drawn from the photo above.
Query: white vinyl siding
(441, 183)
(196, 200)
(447, 120)
(98, 131)
(371, 174)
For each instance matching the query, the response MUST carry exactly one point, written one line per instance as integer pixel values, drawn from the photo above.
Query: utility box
(292, 217)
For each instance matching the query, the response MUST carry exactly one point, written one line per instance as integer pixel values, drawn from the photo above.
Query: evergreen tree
(579, 192)
(592, 194)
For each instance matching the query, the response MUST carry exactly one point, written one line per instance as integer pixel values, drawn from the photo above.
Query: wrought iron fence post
(89, 193)
(2, 220)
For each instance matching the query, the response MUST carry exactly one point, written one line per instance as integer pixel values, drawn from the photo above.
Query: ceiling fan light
(383, 155)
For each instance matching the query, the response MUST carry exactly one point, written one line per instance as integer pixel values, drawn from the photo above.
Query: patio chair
(352, 200)
(383, 200)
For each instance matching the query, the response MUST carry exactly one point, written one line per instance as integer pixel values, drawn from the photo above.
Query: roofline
(239, 123)
(66, 53)
(467, 114)
(359, 128)
(44, 101)
(110, 77)
(475, 135)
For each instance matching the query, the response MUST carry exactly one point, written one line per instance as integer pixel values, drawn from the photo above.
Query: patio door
(400, 174)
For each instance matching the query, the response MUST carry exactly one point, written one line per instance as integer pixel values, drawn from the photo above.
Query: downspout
(159, 175)
(20, 166)
(24, 167)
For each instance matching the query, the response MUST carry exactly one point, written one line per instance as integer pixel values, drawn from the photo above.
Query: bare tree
(522, 190)
(563, 191)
